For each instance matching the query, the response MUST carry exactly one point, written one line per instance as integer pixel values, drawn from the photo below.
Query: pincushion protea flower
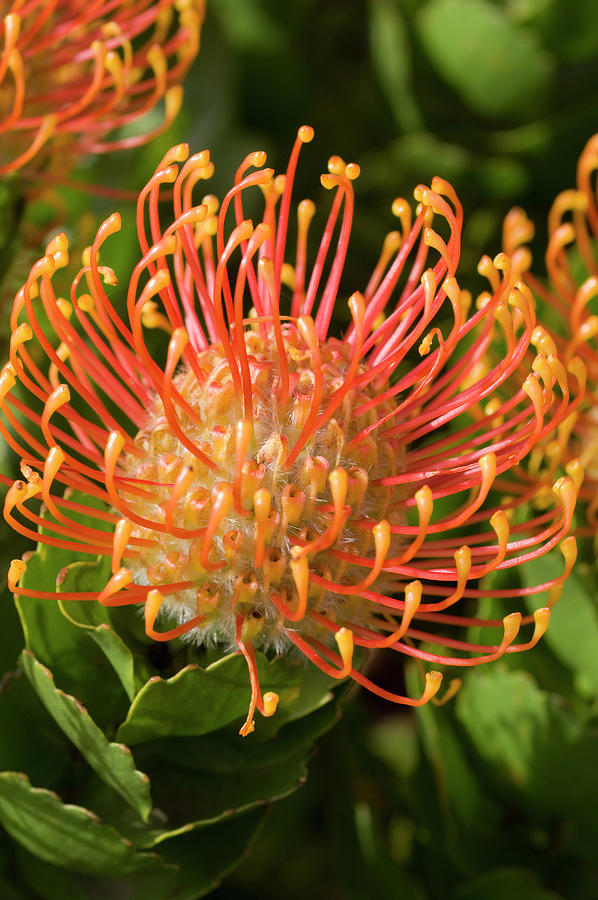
(271, 485)
(71, 72)
(570, 294)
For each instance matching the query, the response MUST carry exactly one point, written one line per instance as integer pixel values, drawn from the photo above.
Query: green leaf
(496, 66)
(198, 701)
(46, 633)
(391, 56)
(112, 762)
(52, 882)
(64, 835)
(204, 798)
(573, 632)
(225, 753)
(204, 859)
(79, 666)
(508, 719)
(22, 715)
(228, 775)
(504, 884)
(312, 690)
(534, 744)
(39, 618)
(95, 619)
(190, 867)
(198, 782)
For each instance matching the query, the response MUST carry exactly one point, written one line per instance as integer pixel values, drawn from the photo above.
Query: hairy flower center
(291, 505)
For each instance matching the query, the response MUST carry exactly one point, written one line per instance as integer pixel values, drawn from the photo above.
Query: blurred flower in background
(567, 299)
(71, 73)
(269, 485)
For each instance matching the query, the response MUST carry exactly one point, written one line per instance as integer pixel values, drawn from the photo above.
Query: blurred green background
(498, 97)
(494, 796)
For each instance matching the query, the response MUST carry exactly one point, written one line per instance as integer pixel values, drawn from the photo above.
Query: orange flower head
(269, 484)
(570, 297)
(72, 72)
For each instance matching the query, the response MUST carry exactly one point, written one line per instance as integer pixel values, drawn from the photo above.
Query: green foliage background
(494, 795)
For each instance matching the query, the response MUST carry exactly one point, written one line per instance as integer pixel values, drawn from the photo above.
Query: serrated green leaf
(223, 753)
(51, 882)
(95, 620)
(200, 781)
(205, 798)
(496, 66)
(204, 780)
(391, 56)
(198, 701)
(79, 666)
(47, 635)
(112, 762)
(62, 834)
(189, 871)
(222, 846)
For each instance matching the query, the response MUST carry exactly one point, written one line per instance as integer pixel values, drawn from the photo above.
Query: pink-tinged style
(72, 72)
(570, 298)
(269, 484)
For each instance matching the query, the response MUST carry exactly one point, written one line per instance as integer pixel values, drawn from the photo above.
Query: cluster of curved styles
(271, 485)
(72, 72)
(569, 295)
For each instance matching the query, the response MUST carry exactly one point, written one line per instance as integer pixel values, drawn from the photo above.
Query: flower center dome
(296, 495)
